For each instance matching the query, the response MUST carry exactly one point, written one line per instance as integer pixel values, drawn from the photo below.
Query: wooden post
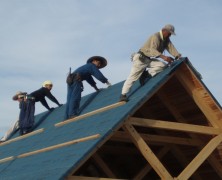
(147, 153)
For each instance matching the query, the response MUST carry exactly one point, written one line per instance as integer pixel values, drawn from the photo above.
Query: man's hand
(178, 56)
(168, 59)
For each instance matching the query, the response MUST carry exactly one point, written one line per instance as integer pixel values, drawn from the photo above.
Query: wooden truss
(181, 113)
(205, 136)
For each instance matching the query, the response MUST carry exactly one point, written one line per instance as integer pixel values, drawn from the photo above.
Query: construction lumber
(214, 162)
(200, 158)
(7, 159)
(23, 136)
(147, 152)
(152, 139)
(202, 98)
(174, 126)
(147, 168)
(106, 108)
(89, 178)
(50, 148)
(59, 145)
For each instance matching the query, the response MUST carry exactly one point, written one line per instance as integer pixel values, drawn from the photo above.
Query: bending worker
(85, 72)
(26, 117)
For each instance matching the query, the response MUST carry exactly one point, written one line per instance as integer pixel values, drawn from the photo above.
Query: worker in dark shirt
(43, 92)
(85, 72)
(26, 118)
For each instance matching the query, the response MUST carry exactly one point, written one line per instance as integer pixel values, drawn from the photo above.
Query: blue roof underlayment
(58, 163)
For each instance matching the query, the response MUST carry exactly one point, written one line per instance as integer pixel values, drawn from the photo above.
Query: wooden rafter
(201, 98)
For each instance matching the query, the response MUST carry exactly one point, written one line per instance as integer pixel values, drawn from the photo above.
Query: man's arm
(44, 103)
(51, 97)
(172, 50)
(91, 81)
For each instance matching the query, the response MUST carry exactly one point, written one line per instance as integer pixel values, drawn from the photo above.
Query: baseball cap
(170, 28)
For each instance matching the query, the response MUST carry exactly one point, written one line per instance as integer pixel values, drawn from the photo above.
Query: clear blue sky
(41, 39)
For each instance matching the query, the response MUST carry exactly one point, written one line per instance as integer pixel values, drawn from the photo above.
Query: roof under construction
(171, 128)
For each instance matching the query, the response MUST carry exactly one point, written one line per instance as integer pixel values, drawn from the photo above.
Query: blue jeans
(73, 99)
(26, 116)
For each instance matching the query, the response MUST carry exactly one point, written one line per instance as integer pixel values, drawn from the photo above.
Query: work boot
(123, 98)
(143, 77)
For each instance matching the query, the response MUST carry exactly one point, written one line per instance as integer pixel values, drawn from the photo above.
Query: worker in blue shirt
(85, 72)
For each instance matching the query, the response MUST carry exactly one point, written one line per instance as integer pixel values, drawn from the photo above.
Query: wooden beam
(59, 145)
(200, 158)
(124, 137)
(50, 148)
(23, 136)
(147, 152)
(214, 162)
(7, 159)
(106, 108)
(182, 159)
(202, 98)
(89, 178)
(103, 166)
(147, 168)
(174, 126)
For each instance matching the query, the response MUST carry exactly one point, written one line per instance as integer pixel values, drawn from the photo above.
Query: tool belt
(28, 97)
(77, 77)
(73, 77)
(143, 57)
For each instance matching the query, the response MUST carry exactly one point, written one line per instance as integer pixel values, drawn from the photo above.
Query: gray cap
(170, 28)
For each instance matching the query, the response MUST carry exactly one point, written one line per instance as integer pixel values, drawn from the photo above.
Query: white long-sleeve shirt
(155, 46)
